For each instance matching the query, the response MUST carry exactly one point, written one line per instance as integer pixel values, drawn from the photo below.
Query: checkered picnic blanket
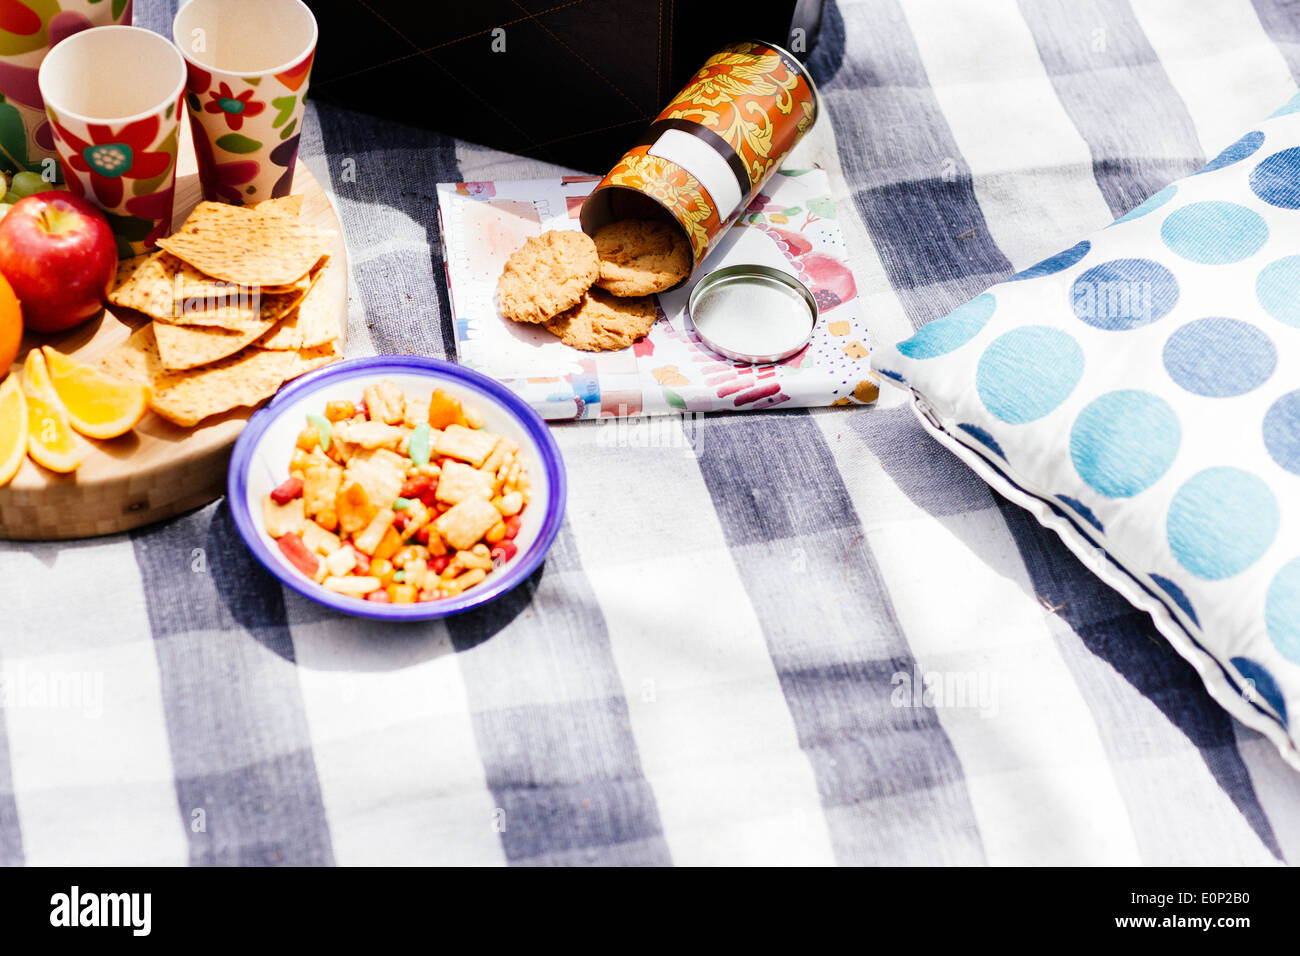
(778, 637)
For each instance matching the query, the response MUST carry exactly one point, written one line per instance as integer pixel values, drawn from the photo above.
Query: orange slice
(13, 429)
(11, 325)
(50, 441)
(98, 405)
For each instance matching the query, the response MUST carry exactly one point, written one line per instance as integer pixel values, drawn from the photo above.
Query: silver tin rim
(717, 277)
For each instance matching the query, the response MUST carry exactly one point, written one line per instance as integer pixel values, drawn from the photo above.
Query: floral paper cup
(113, 95)
(249, 62)
(28, 29)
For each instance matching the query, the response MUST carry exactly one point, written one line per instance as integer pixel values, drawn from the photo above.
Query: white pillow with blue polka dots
(1140, 393)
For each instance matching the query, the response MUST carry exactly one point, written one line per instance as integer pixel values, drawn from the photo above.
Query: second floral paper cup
(248, 61)
(117, 129)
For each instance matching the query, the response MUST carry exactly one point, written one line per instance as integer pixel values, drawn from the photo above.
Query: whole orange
(11, 326)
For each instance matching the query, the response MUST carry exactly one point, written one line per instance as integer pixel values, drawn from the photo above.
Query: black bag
(572, 83)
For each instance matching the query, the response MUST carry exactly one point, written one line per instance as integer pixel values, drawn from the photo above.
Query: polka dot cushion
(1140, 393)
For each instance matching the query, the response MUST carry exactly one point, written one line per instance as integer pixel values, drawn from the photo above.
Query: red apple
(59, 254)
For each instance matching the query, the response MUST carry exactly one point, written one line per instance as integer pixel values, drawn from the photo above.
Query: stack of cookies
(594, 294)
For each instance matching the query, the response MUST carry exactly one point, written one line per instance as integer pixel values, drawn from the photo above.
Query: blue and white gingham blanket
(773, 637)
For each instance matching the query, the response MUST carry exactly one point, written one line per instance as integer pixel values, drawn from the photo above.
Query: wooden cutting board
(159, 469)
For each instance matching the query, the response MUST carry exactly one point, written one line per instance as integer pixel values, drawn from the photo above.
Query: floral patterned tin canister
(714, 146)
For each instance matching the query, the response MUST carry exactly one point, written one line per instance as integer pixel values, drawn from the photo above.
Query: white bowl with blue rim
(260, 462)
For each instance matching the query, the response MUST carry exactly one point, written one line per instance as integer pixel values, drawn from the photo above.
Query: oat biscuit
(547, 275)
(640, 257)
(601, 321)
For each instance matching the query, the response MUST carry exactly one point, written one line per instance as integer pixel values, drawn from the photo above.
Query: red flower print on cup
(197, 83)
(235, 107)
(157, 208)
(110, 157)
(224, 180)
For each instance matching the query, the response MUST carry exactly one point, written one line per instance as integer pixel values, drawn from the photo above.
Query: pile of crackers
(594, 293)
(238, 304)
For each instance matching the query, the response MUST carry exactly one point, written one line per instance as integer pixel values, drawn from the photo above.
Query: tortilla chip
(183, 346)
(238, 245)
(187, 398)
(168, 290)
(135, 360)
(315, 357)
(126, 268)
(286, 206)
(245, 379)
(192, 289)
(142, 284)
(303, 284)
(260, 311)
(239, 316)
(312, 323)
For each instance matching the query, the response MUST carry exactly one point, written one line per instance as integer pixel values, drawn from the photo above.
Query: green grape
(9, 199)
(26, 184)
(4, 209)
(4, 184)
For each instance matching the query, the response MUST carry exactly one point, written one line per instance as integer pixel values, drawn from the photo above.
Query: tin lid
(753, 313)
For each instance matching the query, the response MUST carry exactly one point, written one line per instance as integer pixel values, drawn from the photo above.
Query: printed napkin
(791, 226)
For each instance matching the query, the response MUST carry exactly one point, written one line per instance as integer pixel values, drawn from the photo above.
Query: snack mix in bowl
(390, 499)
